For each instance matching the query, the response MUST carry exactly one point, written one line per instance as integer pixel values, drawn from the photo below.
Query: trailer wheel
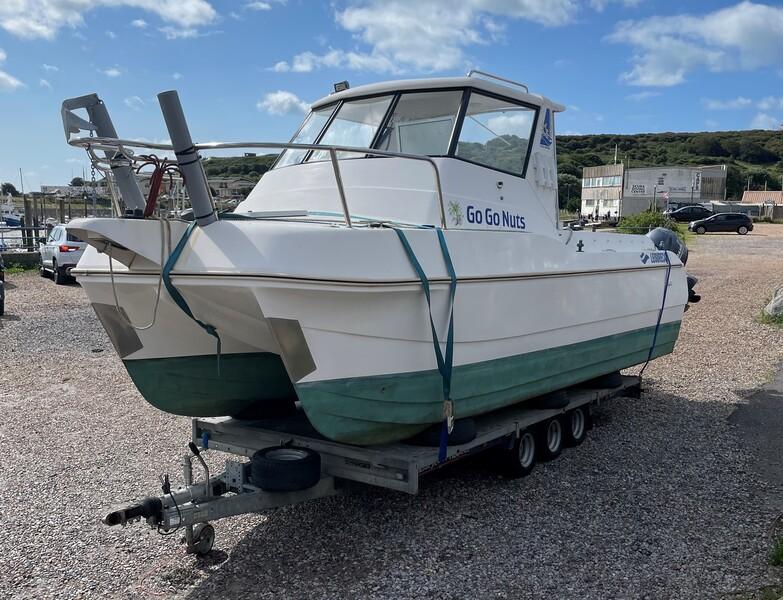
(550, 439)
(281, 469)
(203, 538)
(520, 460)
(575, 426)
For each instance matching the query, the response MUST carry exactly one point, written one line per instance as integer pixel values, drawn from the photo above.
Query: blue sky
(246, 69)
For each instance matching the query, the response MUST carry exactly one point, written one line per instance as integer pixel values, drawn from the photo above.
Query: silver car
(60, 254)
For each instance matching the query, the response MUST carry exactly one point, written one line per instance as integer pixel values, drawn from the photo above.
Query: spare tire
(285, 469)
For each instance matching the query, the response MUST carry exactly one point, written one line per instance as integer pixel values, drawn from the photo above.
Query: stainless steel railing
(124, 155)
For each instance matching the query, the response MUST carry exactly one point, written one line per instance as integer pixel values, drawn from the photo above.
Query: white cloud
(8, 82)
(258, 6)
(44, 83)
(177, 75)
(139, 23)
(771, 103)
(745, 36)
(134, 103)
(111, 35)
(44, 18)
(179, 33)
(111, 71)
(282, 103)
(765, 121)
(50, 68)
(401, 35)
(600, 5)
(308, 61)
(642, 96)
(733, 104)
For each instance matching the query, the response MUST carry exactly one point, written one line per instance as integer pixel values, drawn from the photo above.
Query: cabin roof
(510, 91)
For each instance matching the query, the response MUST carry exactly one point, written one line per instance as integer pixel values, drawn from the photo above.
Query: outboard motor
(666, 239)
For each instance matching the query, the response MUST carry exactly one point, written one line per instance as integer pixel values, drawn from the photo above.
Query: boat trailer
(522, 434)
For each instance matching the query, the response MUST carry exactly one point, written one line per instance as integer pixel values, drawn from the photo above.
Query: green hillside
(251, 167)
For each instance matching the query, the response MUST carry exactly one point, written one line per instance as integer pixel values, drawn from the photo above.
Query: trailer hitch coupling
(149, 507)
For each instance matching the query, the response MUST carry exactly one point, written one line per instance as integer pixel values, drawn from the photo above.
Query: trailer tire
(464, 431)
(520, 459)
(550, 439)
(285, 469)
(575, 422)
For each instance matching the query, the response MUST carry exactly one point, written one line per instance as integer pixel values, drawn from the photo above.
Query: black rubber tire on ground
(285, 469)
(58, 273)
(742, 230)
(464, 431)
(549, 440)
(203, 538)
(520, 460)
(701, 230)
(575, 426)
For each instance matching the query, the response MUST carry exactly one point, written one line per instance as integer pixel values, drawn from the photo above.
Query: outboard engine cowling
(666, 239)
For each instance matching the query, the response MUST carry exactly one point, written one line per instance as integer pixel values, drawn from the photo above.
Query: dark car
(723, 222)
(686, 214)
(2, 286)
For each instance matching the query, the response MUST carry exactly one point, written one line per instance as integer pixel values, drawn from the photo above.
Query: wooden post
(27, 235)
(61, 210)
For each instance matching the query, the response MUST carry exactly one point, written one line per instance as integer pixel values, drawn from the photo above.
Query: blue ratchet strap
(444, 364)
(177, 297)
(660, 313)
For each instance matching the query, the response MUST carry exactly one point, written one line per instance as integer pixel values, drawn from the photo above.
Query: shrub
(645, 221)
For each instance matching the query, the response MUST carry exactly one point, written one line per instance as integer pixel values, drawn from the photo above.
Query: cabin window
(496, 133)
(308, 133)
(354, 124)
(422, 123)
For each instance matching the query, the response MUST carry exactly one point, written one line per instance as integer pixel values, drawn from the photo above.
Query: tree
(77, 182)
(8, 188)
(569, 191)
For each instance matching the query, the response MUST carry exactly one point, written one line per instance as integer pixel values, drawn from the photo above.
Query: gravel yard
(665, 499)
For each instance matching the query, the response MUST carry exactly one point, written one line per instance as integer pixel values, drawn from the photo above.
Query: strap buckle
(448, 414)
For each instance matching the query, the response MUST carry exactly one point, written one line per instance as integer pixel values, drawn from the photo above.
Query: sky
(247, 69)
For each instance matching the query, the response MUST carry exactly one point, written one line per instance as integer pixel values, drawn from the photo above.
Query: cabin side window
(421, 123)
(496, 133)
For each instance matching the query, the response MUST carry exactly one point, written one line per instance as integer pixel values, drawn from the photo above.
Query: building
(762, 197)
(614, 191)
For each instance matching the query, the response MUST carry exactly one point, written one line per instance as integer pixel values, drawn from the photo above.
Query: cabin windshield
(493, 132)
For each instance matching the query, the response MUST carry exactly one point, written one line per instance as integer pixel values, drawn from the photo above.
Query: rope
(164, 225)
(660, 314)
(445, 364)
(177, 297)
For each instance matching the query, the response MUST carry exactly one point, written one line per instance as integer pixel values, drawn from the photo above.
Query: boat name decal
(493, 218)
(652, 257)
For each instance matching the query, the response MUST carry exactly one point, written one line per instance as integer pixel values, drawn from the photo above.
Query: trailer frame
(397, 466)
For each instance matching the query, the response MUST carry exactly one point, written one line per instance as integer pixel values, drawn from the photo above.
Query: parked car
(2, 286)
(60, 254)
(686, 214)
(723, 222)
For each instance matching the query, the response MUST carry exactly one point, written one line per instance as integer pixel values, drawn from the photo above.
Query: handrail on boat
(486, 75)
(124, 156)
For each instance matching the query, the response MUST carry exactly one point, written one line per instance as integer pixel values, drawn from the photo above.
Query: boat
(401, 265)
(9, 215)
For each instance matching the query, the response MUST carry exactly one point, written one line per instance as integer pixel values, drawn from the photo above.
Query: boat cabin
(474, 152)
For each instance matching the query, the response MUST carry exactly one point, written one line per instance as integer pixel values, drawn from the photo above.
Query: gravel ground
(662, 500)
